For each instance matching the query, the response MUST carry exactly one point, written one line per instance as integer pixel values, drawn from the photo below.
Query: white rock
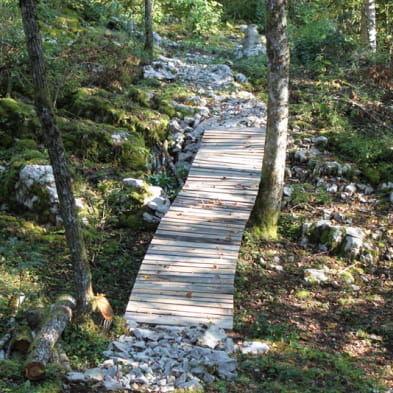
(315, 275)
(95, 374)
(320, 140)
(150, 218)
(239, 77)
(111, 384)
(254, 347)
(278, 268)
(387, 186)
(212, 337)
(159, 204)
(74, 377)
(350, 188)
(131, 182)
(333, 188)
(288, 191)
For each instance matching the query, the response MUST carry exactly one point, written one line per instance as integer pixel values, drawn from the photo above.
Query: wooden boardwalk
(188, 272)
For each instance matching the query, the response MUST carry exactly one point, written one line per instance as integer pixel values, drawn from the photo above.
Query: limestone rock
(212, 337)
(254, 348)
(315, 276)
(251, 44)
(36, 190)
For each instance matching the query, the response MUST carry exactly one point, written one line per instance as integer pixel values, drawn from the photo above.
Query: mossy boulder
(10, 176)
(17, 119)
(349, 242)
(95, 104)
(103, 143)
(36, 191)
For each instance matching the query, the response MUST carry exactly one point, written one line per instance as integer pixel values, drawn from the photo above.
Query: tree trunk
(369, 25)
(268, 203)
(82, 276)
(41, 350)
(149, 41)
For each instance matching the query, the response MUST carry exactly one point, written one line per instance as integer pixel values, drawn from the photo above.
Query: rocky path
(164, 358)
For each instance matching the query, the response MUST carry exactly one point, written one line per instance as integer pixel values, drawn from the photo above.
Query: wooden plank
(179, 309)
(197, 278)
(225, 322)
(183, 300)
(205, 246)
(222, 297)
(189, 287)
(211, 238)
(147, 268)
(177, 257)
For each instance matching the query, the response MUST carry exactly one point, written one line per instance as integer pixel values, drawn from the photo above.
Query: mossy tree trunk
(268, 204)
(82, 276)
(369, 25)
(149, 40)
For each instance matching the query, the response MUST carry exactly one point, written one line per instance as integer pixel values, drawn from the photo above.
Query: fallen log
(21, 339)
(42, 346)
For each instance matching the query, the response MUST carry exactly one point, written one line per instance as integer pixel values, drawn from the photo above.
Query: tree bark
(149, 41)
(41, 349)
(268, 204)
(82, 275)
(369, 25)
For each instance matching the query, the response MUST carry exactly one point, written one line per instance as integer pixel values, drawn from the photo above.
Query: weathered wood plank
(225, 322)
(188, 272)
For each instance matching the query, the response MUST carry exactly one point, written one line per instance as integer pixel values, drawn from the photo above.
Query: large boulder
(36, 191)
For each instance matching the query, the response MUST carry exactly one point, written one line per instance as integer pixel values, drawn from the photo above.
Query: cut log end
(35, 371)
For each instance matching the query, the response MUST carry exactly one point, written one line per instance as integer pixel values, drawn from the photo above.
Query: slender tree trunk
(82, 276)
(268, 203)
(149, 41)
(369, 25)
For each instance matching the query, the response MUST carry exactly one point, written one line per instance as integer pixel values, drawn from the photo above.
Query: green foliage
(255, 68)
(295, 368)
(262, 328)
(317, 40)
(17, 118)
(373, 155)
(200, 16)
(252, 11)
(289, 227)
(84, 345)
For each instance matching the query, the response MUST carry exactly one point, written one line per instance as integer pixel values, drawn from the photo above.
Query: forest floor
(330, 337)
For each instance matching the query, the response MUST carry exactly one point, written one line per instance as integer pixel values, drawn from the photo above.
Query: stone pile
(252, 43)
(156, 199)
(165, 358)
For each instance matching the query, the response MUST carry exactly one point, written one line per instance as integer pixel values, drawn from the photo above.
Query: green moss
(167, 108)
(96, 104)
(17, 118)
(11, 176)
(140, 96)
(132, 221)
(10, 369)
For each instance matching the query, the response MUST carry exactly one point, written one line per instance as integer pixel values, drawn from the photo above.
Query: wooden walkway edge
(187, 275)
